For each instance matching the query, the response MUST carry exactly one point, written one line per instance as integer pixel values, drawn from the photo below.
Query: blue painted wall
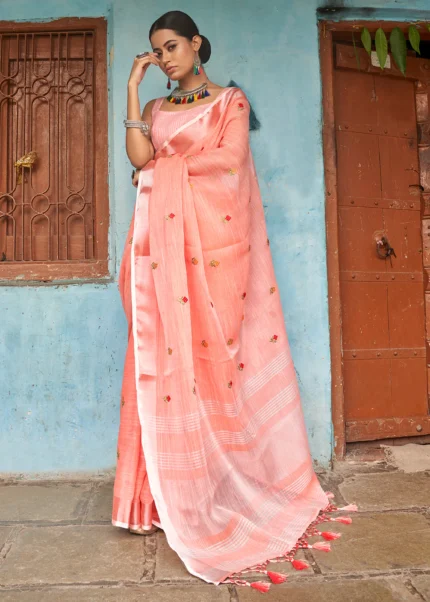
(62, 346)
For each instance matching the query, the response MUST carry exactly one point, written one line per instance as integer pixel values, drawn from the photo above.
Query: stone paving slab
(392, 490)
(422, 584)
(379, 542)
(410, 458)
(4, 534)
(100, 506)
(47, 502)
(334, 591)
(169, 567)
(73, 554)
(166, 593)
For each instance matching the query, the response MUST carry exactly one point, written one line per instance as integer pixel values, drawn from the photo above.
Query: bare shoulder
(147, 110)
(214, 90)
(151, 103)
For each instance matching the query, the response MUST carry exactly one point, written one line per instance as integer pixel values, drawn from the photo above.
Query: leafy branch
(397, 41)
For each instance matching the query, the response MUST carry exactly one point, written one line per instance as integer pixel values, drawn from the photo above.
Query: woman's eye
(170, 48)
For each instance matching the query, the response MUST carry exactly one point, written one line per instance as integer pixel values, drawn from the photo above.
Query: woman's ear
(197, 42)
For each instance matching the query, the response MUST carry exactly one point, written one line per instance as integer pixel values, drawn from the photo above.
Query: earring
(168, 84)
(197, 64)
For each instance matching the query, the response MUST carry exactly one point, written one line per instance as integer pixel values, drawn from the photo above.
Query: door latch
(384, 249)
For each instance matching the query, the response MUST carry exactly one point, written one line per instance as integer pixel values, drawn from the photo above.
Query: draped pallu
(223, 434)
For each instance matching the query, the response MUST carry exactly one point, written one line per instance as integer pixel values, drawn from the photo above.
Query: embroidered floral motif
(226, 218)
(230, 342)
(272, 289)
(154, 265)
(274, 338)
(182, 300)
(205, 343)
(170, 216)
(190, 184)
(130, 241)
(240, 106)
(230, 384)
(243, 295)
(232, 172)
(211, 304)
(241, 366)
(169, 350)
(194, 260)
(194, 390)
(167, 398)
(214, 263)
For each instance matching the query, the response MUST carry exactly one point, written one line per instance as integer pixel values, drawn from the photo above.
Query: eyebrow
(168, 42)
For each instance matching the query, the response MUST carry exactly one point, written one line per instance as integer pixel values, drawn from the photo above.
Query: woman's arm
(139, 147)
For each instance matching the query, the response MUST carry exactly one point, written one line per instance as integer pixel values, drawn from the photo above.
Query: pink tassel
(300, 565)
(345, 520)
(276, 577)
(261, 586)
(322, 546)
(349, 508)
(329, 535)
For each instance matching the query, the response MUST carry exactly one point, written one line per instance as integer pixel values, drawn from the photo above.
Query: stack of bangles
(142, 125)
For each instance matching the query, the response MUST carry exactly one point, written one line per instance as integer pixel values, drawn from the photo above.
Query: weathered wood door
(383, 163)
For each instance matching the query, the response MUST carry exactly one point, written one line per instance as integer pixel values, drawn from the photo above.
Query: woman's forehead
(162, 36)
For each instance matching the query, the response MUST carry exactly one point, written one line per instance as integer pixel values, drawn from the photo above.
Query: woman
(212, 445)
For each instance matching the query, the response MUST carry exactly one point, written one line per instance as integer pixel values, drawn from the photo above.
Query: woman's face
(174, 51)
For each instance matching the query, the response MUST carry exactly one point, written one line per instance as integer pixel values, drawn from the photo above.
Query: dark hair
(183, 25)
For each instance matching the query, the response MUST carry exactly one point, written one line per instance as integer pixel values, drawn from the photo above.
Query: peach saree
(224, 453)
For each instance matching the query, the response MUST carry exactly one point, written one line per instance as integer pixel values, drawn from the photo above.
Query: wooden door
(382, 210)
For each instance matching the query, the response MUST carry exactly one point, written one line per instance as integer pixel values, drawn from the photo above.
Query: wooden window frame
(89, 269)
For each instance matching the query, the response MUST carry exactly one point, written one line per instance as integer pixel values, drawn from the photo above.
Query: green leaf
(398, 48)
(366, 40)
(414, 38)
(381, 46)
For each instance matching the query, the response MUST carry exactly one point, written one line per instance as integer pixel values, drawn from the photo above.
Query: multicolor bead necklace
(183, 97)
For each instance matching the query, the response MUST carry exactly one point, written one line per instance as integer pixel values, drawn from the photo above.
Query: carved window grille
(53, 200)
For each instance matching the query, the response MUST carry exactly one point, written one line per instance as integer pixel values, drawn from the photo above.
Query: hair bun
(205, 49)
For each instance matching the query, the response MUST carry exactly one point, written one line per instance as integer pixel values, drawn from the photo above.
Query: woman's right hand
(140, 67)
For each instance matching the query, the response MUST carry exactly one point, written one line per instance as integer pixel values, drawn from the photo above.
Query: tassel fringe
(302, 543)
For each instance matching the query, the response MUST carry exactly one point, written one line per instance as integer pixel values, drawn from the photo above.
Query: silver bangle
(142, 125)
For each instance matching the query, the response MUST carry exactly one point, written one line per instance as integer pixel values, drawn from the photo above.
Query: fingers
(150, 58)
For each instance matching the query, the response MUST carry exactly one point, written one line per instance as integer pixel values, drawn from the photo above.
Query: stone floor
(57, 544)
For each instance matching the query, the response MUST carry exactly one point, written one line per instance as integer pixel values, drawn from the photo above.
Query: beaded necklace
(183, 97)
